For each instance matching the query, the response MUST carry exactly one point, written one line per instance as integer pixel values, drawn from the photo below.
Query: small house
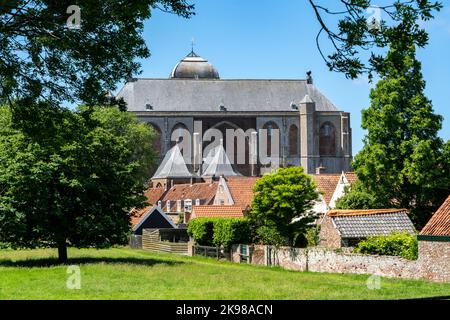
(153, 218)
(346, 228)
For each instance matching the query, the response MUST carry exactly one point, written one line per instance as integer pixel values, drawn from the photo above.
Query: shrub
(219, 231)
(230, 231)
(201, 229)
(397, 244)
(312, 236)
(270, 236)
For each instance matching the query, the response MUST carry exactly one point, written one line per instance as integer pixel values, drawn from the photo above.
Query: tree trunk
(62, 252)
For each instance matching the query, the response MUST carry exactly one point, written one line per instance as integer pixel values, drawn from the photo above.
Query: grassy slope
(121, 273)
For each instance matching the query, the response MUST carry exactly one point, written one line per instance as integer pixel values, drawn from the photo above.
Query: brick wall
(434, 258)
(329, 236)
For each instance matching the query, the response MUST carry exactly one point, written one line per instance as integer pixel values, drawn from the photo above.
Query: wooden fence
(151, 241)
(211, 252)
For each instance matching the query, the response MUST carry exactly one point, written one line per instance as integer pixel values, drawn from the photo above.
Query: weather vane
(192, 44)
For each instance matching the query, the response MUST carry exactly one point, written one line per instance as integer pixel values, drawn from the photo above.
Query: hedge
(201, 229)
(400, 244)
(230, 231)
(219, 231)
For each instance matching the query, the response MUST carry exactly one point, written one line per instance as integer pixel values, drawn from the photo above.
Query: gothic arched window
(327, 139)
(271, 127)
(157, 139)
(293, 140)
(178, 132)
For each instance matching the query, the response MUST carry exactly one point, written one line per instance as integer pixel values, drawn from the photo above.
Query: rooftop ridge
(362, 212)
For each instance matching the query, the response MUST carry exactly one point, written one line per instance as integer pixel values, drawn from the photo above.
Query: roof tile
(215, 211)
(439, 224)
(241, 189)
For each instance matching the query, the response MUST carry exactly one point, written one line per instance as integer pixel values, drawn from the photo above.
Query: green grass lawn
(121, 273)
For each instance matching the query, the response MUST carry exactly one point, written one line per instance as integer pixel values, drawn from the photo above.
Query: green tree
(74, 181)
(358, 197)
(365, 28)
(283, 200)
(403, 162)
(43, 59)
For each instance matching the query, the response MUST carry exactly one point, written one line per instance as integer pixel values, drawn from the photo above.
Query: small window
(159, 203)
(188, 205)
(178, 205)
(197, 202)
(168, 206)
(222, 202)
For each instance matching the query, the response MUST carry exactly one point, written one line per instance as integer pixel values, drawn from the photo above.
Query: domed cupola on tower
(194, 67)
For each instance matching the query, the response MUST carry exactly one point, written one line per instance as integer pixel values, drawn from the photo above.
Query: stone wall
(433, 264)
(434, 258)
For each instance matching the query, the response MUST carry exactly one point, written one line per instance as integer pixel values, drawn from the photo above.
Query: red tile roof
(241, 189)
(217, 212)
(363, 212)
(351, 177)
(439, 224)
(152, 195)
(203, 191)
(326, 184)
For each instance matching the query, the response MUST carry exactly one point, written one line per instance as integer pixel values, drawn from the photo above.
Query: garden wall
(333, 261)
(434, 258)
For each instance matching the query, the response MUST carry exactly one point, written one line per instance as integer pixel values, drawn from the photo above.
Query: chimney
(309, 79)
(321, 170)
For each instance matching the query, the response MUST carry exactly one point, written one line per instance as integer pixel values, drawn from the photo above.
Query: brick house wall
(329, 236)
(434, 258)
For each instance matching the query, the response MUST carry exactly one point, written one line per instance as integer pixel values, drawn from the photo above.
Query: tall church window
(293, 140)
(327, 139)
(271, 127)
(178, 133)
(157, 139)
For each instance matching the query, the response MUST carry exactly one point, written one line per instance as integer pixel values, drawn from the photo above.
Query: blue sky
(275, 39)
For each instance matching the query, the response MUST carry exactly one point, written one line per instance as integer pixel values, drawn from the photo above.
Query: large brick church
(301, 125)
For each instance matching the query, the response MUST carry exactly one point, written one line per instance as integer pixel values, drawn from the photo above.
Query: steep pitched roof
(218, 164)
(439, 224)
(153, 195)
(175, 95)
(241, 189)
(372, 222)
(150, 212)
(215, 211)
(326, 184)
(172, 166)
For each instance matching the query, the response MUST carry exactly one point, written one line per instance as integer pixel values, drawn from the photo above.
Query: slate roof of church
(206, 95)
(371, 222)
(218, 164)
(172, 166)
(439, 224)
